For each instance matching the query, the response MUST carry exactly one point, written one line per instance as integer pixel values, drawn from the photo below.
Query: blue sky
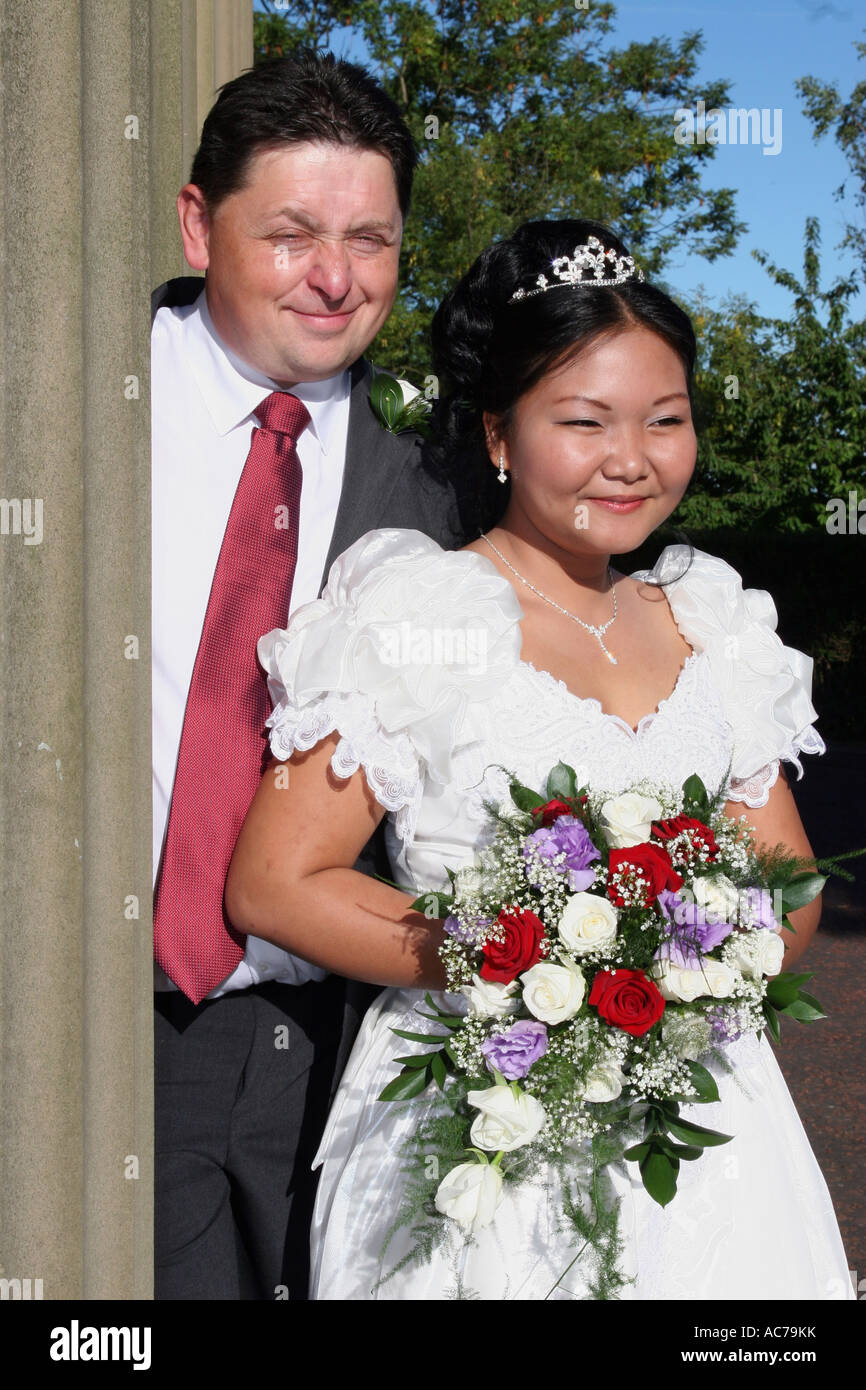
(760, 49)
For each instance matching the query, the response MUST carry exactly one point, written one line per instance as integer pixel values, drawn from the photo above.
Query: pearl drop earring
(502, 475)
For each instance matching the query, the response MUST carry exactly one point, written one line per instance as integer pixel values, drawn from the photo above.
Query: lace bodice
(413, 655)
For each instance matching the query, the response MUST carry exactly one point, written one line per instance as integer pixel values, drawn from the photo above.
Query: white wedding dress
(413, 655)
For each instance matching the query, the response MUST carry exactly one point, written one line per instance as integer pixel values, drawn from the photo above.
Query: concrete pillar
(96, 132)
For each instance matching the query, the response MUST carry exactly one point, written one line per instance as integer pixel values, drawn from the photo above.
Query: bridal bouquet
(603, 946)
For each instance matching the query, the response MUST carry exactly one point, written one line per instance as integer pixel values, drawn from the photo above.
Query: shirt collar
(231, 389)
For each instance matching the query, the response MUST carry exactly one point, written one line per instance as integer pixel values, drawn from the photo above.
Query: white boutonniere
(398, 405)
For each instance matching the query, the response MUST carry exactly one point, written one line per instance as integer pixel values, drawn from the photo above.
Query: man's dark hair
(306, 96)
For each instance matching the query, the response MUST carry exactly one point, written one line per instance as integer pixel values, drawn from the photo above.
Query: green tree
(780, 406)
(523, 109)
(847, 120)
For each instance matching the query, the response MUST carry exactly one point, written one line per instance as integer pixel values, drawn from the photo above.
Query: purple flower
(686, 923)
(756, 906)
(680, 951)
(725, 1025)
(469, 932)
(568, 836)
(512, 1053)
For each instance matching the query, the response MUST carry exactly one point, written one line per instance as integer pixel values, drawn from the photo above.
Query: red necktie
(222, 746)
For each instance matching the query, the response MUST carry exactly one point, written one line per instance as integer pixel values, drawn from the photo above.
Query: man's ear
(194, 225)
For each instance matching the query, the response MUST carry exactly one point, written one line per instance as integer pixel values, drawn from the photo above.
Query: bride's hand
(779, 823)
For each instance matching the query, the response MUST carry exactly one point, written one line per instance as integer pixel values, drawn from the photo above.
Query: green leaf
(801, 891)
(703, 1081)
(416, 416)
(431, 1039)
(687, 1152)
(637, 1152)
(406, 1085)
(561, 783)
(655, 1119)
(806, 1009)
(443, 903)
(437, 1067)
(524, 798)
(386, 397)
(447, 1021)
(674, 1150)
(659, 1174)
(693, 1134)
(420, 1059)
(772, 1021)
(784, 988)
(810, 999)
(695, 796)
(446, 1018)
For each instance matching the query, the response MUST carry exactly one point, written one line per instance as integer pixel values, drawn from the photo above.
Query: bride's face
(602, 450)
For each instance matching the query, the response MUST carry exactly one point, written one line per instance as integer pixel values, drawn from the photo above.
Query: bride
(403, 691)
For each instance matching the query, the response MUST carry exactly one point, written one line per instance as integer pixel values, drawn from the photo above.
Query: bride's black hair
(487, 352)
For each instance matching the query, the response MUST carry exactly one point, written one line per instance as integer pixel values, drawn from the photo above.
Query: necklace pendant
(610, 656)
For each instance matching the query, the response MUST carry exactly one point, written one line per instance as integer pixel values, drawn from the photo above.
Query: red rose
(647, 867)
(552, 810)
(698, 833)
(519, 949)
(627, 999)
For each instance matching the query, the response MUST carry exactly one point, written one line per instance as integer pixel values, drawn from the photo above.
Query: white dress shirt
(202, 399)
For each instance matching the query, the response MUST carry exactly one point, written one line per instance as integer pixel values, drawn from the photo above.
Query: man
(267, 462)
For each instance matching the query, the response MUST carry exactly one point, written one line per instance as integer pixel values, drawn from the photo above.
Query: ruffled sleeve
(405, 637)
(765, 686)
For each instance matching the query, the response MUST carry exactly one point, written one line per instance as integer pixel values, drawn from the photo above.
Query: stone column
(97, 126)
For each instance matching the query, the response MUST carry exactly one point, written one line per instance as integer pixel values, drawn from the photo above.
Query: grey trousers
(243, 1085)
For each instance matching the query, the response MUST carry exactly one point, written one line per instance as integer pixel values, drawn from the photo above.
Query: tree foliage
(847, 120)
(780, 405)
(524, 109)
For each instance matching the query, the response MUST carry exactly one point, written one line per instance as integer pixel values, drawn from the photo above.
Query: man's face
(302, 261)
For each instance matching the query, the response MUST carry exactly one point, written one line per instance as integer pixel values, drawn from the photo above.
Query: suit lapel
(374, 461)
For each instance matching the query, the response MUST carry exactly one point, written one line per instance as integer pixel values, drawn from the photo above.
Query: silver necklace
(597, 632)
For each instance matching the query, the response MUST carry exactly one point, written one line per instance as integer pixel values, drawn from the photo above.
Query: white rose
(717, 897)
(719, 977)
(490, 999)
(470, 1194)
(678, 985)
(756, 953)
(553, 993)
(603, 1082)
(682, 986)
(588, 923)
(627, 820)
(507, 1121)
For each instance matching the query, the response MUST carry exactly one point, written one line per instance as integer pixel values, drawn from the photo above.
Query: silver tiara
(590, 265)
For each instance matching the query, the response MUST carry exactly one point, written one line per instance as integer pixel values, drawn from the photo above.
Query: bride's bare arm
(778, 823)
(291, 879)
